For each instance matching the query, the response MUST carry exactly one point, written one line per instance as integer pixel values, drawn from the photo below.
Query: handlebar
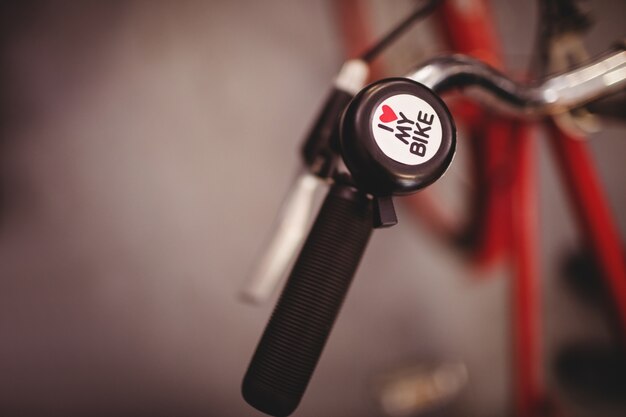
(599, 78)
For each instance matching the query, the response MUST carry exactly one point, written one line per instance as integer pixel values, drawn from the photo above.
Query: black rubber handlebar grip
(295, 336)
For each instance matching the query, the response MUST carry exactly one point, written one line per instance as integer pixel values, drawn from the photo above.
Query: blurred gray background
(145, 149)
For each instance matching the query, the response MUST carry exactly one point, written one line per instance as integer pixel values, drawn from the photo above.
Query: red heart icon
(388, 114)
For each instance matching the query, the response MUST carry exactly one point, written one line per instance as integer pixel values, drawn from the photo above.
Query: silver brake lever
(300, 206)
(290, 228)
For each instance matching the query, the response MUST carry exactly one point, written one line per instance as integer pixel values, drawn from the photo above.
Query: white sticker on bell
(407, 129)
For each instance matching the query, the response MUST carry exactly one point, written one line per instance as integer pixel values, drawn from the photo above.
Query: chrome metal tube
(558, 93)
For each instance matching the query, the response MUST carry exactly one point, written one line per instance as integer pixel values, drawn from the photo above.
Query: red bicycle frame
(504, 222)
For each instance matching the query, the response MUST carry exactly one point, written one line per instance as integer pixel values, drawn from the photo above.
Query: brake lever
(298, 210)
(565, 24)
(293, 222)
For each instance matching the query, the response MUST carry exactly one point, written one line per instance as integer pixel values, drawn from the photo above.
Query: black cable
(375, 50)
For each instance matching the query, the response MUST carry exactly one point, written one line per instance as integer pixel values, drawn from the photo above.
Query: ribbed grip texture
(290, 348)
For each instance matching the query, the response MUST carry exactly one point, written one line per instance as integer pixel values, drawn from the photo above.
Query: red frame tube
(593, 213)
(526, 292)
(505, 206)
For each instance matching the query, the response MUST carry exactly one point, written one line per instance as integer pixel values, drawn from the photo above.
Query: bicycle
(365, 197)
